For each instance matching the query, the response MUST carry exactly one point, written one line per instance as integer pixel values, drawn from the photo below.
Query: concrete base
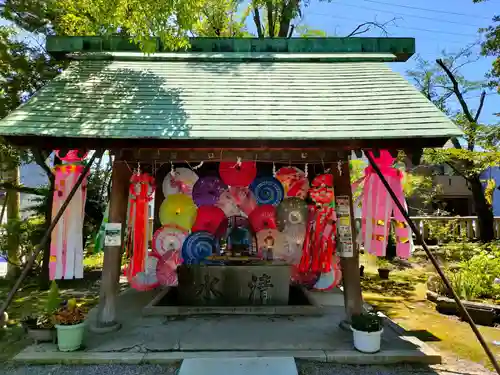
(94, 328)
(153, 339)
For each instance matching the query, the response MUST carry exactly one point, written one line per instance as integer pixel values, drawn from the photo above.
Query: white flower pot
(367, 342)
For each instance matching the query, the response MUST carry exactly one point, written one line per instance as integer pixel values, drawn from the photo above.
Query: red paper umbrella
(209, 219)
(237, 174)
(263, 217)
(166, 268)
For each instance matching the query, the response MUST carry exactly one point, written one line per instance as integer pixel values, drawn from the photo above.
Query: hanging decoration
(263, 218)
(294, 181)
(168, 238)
(330, 280)
(141, 191)
(197, 247)
(267, 191)
(319, 243)
(179, 181)
(244, 199)
(227, 204)
(71, 156)
(304, 278)
(146, 279)
(207, 190)
(166, 268)
(66, 249)
(291, 211)
(237, 173)
(178, 209)
(378, 208)
(210, 219)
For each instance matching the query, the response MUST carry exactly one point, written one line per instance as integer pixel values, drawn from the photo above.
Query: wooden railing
(464, 226)
(458, 226)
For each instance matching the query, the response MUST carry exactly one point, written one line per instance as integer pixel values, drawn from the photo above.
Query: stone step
(239, 366)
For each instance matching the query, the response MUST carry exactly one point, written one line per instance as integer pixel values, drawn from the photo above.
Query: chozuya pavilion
(243, 145)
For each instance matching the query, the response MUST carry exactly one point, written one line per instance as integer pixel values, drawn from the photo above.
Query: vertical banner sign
(345, 246)
(113, 234)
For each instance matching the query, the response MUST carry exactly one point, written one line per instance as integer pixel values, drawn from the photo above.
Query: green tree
(23, 70)
(478, 148)
(491, 47)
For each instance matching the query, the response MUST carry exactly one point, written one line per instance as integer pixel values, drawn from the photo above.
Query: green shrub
(484, 267)
(474, 276)
(367, 322)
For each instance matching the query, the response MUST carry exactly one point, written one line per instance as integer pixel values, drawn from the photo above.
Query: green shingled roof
(328, 97)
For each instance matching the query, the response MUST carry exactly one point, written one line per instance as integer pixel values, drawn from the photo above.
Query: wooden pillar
(350, 265)
(106, 314)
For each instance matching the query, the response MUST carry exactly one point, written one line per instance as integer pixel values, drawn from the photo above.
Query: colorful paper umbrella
(293, 241)
(263, 217)
(178, 209)
(329, 280)
(180, 182)
(210, 219)
(267, 190)
(237, 174)
(294, 181)
(292, 211)
(168, 238)
(147, 279)
(166, 268)
(244, 199)
(228, 204)
(269, 244)
(197, 247)
(207, 190)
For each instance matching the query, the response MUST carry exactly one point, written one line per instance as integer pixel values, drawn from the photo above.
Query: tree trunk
(44, 282)
(287, 14)
(13, 221)
(483, 211)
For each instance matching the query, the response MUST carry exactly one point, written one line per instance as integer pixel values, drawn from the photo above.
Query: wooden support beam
(350, 266)
(106, 313)
(159, 197)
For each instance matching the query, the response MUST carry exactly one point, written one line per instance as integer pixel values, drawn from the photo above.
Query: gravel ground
(305, 368)
(90, 370)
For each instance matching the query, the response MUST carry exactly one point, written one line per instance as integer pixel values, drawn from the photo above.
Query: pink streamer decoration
(378, 209)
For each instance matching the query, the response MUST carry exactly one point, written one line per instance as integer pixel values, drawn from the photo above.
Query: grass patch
(29, 300)
(403, 299)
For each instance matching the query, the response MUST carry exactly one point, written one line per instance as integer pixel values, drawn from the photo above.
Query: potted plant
(384, 268)
(40, 328)
(367, 332)
(70, 326)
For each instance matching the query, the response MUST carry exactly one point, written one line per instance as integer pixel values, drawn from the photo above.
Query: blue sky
(436, 25)
(439, 27)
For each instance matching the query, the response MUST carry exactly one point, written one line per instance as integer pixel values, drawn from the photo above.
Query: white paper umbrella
(181, 182)
(293, 242)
